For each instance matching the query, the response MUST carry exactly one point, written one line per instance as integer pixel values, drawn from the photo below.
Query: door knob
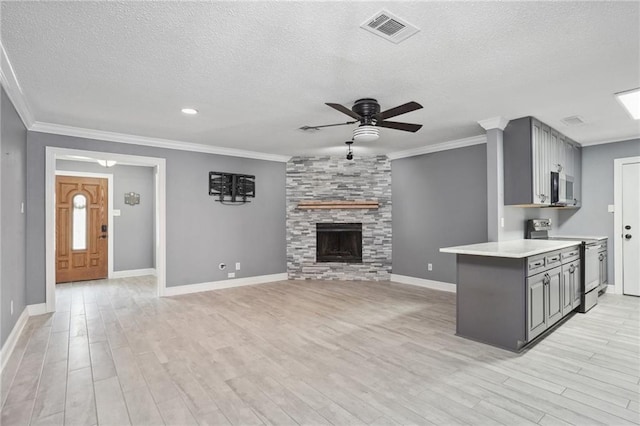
(627, 236)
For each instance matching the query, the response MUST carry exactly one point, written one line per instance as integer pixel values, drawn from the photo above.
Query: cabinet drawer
(535, 265)
(552, 260)
(570, 254)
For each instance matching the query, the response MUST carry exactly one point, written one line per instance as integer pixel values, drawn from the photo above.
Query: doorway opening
(158, 165)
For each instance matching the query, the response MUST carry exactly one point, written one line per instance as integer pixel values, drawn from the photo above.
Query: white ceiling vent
(389, 26)
(575, 120)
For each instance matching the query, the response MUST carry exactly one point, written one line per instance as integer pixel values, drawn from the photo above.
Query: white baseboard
(37, 309)
(133, 273)
(10, 343)
(218, 285)
(421, 282)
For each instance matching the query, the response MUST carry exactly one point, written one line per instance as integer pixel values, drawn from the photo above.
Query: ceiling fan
(366, 111)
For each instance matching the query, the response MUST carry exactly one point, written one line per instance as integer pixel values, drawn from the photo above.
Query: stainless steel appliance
(590, 254)
(562, 190)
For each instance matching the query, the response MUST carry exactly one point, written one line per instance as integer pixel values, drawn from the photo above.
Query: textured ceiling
(257, 71)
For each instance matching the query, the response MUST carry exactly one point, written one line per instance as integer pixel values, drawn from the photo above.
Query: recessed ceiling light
(631, 101)
(189, 111)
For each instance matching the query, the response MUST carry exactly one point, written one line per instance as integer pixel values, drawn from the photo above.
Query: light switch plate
(237, 266)
(611, 208)
(116, 212)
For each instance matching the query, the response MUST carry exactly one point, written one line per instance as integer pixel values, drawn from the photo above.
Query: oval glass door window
(79, 225)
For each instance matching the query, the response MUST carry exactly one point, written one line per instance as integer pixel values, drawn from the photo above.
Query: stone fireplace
(363, 251)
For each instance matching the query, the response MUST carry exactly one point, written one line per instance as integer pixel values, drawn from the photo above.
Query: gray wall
(200, 231)
(13, 187)
(439, 200)
(597, 194)
(133, 231)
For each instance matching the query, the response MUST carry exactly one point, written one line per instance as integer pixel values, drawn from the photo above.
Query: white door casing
(630, 229)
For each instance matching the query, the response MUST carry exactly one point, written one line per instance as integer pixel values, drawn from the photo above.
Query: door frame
(109, 177)
(159, 165)
(617, 219)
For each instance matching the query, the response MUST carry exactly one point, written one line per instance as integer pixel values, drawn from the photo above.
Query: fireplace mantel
(342, 204)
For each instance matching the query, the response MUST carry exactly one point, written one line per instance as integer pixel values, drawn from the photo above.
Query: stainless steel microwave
(562, 190)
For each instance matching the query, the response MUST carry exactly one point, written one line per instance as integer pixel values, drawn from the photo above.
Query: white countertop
(580, 237)
(514, 249)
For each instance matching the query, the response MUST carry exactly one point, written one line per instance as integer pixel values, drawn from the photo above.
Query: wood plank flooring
(309, 352)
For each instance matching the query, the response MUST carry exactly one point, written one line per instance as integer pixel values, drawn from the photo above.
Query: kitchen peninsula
(510, 292)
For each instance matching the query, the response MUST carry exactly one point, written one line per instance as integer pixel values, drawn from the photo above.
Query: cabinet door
(567, 289)
(568, 157)
(557, 154)
(536, 314)
(577, 175)
(554, 296)
(537, 153)
(545, 165)
(576, 283)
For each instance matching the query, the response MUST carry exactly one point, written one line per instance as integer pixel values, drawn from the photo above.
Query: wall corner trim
(219, 285)
(134, 273)
(421, 282)
(444, 146)
(14, 91)
(80, 132)
(498, 122)
(10, 343)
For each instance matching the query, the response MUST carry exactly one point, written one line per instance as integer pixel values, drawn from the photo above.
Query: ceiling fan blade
(402, 109)
(344, 110)
(325, 125)
(407, 127)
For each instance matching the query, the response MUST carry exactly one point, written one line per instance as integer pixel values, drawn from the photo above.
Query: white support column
(495, 176)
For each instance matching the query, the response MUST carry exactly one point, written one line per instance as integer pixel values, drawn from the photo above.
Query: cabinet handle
(572, 269)
(546, 280)
(543, 197)
(601, 256)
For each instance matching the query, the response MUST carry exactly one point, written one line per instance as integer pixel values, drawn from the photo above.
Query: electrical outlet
(502, 222)
(231, 275)
(237, 266)
(21, 207)
(611, 208)
(429, 266)
(12, 308)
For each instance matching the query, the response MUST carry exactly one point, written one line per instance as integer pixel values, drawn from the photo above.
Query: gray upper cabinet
(532, 150)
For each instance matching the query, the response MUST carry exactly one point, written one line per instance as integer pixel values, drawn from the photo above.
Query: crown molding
(494, 123)
(11, 85)
(609, 141)
(444, 146)
(80, 132)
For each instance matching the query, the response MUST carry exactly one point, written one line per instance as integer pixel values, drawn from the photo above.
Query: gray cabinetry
(604, 268)
(532, 150)
(537, 313)
(508, 302)
(554, 296)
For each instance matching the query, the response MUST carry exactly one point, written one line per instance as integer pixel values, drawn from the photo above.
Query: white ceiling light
(631, 101)
(189, 111)
(366, 133)
(106, 163)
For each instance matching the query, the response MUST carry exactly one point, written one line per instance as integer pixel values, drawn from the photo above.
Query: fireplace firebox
(339, 242)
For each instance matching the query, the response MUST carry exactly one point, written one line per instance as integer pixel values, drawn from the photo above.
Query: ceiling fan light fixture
(366, 133)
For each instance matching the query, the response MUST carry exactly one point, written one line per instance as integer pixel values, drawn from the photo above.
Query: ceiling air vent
(389, 26)
(575, 120)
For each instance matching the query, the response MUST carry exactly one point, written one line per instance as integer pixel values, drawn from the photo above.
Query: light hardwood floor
(311, 352)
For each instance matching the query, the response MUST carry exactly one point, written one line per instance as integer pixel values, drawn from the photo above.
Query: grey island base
(509, 293)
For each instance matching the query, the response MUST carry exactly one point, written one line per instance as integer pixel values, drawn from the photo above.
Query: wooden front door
(81, 228)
